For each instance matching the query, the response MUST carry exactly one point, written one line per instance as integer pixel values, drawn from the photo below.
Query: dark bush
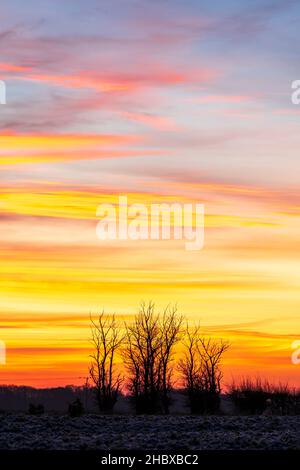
(285, 401)
(204, 402)
(250, 397)
(257, 397)
(76, 408)
(36, 410)
(147, 403)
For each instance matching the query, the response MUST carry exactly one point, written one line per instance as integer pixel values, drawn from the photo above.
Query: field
(95, 432)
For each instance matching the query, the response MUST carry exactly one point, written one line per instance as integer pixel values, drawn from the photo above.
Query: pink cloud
(222, 99)
(161, 123)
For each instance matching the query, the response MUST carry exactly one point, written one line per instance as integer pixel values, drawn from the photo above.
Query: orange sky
(189, 105)
(243, 286)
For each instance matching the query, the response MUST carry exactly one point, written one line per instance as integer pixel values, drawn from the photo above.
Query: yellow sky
(189, 104)
(242, 286)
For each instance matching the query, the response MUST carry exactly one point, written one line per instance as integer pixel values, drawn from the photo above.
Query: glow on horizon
(154, 107)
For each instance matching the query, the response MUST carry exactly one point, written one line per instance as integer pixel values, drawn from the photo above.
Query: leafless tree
(148, 355)
(211, 353)
(190, 365)
(106, 340)
(141, 357)
(201, 370)
(170, 329)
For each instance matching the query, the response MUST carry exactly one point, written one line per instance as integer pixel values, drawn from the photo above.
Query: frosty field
(94, 432)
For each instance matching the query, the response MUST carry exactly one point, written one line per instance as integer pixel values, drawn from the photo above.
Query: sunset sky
(162, 101)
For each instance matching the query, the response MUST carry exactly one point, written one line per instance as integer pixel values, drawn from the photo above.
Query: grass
(260, 396)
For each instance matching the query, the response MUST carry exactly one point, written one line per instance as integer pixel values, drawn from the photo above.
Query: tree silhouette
(201, 370)
(148, 354)
(106, 340)
(170, 329)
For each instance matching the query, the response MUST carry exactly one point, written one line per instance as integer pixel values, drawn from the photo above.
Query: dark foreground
(162, 433)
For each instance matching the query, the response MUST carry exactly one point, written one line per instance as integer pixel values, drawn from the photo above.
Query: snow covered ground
(20, 431)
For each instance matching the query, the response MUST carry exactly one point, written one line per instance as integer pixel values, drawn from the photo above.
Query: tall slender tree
(106, 341)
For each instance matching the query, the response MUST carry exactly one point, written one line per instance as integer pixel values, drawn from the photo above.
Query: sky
(162, 101)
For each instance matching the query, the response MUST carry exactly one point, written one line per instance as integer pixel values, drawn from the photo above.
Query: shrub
(36, 410)
(285, 401)
(204, 402)
(257, 397)
(76, 408)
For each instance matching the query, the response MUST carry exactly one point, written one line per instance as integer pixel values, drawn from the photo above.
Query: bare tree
(106, 340)
(170, 329)
(190, 365)
(201, 370)
(148, 355)
(211, 353)
(141, 357)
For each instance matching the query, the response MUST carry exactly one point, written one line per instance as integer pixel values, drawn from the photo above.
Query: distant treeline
(14, 398)
(249, 397)
(151, 365)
